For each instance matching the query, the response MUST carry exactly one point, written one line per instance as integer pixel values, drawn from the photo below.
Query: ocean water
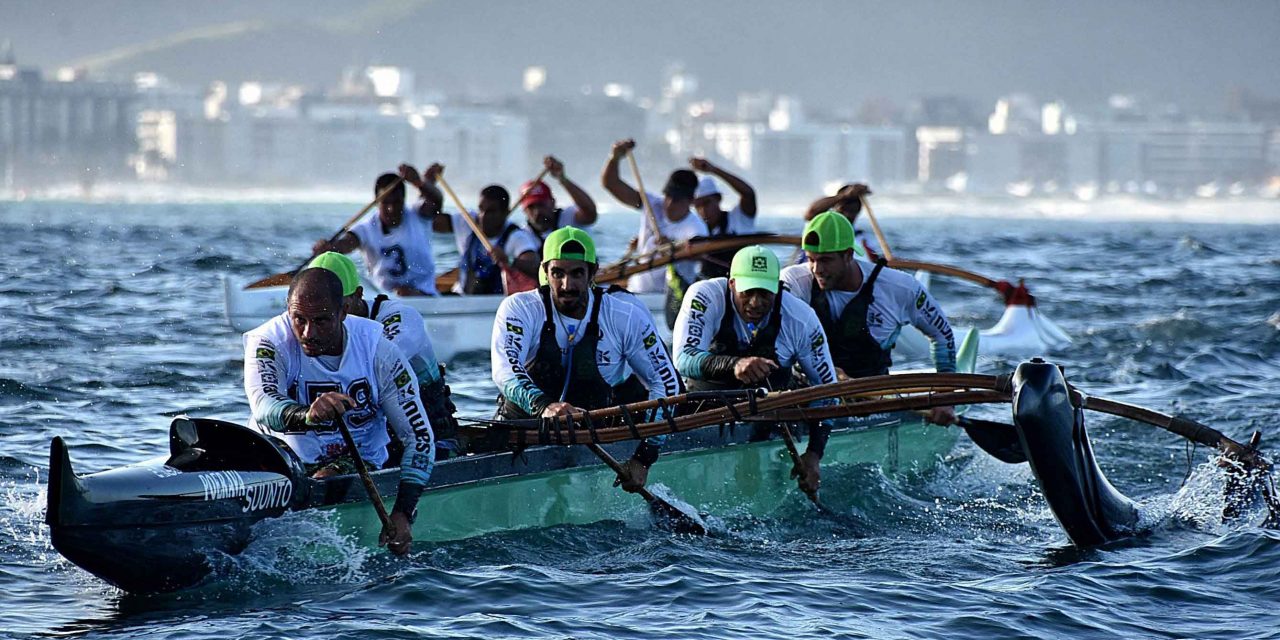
(112, 322)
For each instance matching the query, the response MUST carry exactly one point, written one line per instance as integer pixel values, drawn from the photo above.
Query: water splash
(298, 548)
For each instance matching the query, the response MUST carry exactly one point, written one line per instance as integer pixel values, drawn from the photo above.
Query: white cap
(706, 187)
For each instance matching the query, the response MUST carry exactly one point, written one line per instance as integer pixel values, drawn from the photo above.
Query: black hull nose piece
(1053, 433)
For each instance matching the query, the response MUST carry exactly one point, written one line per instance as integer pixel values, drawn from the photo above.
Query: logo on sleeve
(266, 352)
(516, 329)
(650, 340)
(391, 319)
(698, 305)
(402, 379)
(818, 339)
(920, 300)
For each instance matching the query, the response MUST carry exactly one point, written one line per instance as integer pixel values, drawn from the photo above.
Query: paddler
(863, 306)
(739, 220)
(848, 203)
(673, 210)
(745, 331)
(397, 242)
(541, 213)
(404, 327)
(315, 364)
(570, 346)
(480, 273)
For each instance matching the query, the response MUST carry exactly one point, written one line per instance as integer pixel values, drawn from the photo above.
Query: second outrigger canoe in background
(464, 324)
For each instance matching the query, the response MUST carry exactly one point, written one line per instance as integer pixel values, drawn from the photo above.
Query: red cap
(534, 192)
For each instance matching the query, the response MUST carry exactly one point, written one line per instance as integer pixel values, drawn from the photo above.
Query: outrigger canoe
(464, 324)
(152, 526)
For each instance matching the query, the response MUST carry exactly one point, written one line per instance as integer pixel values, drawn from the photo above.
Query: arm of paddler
(402, 406)
(813, 354)
(264, 370)
(405, 328)
(927, 316)
(509, 349)
(649, 359)
(696, 326)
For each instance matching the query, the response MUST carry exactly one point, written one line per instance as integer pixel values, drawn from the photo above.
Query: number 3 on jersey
(396, 254)
(359, 390)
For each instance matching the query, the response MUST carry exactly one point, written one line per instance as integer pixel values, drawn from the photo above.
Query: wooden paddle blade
(996, 438)
(670, 518)
(277, 280)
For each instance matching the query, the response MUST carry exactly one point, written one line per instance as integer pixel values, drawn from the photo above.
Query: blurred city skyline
(999, 98)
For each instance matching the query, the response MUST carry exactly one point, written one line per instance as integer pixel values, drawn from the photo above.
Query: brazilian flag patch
(920, 301)
(265, 353)
(518, 330)
(650, 340)
(697, 305)
(391, 319)
(402, 380)
(818, 340)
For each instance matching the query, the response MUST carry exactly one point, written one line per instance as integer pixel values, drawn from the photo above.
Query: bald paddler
(864, 306)
(848, 203)
(569, 346)
(741, 219)
(746, 331)
(313, 365)
(404, 327)
(396, 242)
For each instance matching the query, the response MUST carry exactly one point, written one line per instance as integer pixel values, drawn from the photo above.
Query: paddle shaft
(516, 205)
(644, 197)
(875, 226)
(363, 472)
(466, 215)
(790, 441)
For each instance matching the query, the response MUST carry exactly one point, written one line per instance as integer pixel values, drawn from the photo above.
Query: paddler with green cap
(864, 306)
(570, 346)
(746, 331)
(404, 327)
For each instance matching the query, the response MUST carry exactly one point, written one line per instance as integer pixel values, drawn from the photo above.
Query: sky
(831, 54)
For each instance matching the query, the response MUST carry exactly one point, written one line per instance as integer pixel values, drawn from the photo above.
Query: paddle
(542, 174)
(644, 198)
(665, 513)
(797, 469)
(513, 281)
(875, 226)
(281, 279)
(363, 471)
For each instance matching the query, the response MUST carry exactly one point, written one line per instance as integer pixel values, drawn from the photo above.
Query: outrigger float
(152, 526)
(463, 324)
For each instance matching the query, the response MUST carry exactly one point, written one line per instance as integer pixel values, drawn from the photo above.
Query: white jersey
(371, 370)
(691, 226)
(628, 342)
(898, 300)
(405, 328)
(801, 339)
(736, 223)
(401, 257)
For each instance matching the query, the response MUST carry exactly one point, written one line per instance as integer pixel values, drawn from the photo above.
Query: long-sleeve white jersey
(899, 300)
(801, 339)
(628, 342)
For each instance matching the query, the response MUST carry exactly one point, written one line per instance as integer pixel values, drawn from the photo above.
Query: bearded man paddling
(864, 306)
(568, 346)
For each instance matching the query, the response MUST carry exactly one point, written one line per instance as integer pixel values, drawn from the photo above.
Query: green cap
(833, 232)
(341, 265)
(754, 267)
(569, 243)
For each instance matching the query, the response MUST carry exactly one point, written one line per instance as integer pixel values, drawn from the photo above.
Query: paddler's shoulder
(708, 291)
(522, 303)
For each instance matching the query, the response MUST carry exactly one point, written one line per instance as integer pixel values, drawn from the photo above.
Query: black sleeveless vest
(852, 347)
(587, 389)
(763, 345)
